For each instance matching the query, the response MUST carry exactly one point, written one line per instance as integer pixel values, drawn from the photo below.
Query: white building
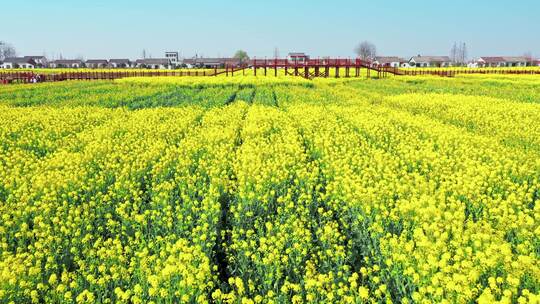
(430, 61)
(173, 58)
(472, 64)
(405, 65)
(299, 58)
(18, 63)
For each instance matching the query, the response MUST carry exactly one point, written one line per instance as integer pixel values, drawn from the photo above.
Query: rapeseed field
(271, 190)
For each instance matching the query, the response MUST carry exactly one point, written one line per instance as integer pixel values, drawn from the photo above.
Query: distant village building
(210, 63)
(96, 63)
(430, 61)
(517, 61)
(388, 61)
(537, 62)
(153, 63)
(120, 63)
(503, 61)
(472, 64)
(298, 58)
(19, 63)
(491, 62)
(405, 64)
(66, 64)
(40, 61)
(188, 63)
(173, 57)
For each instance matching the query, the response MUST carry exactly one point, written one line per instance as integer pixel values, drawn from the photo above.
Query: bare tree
(529, 57)
(7, 50)
(459, 53)
(463, 53)
(366, 50)
(454, 53)
(276, 52)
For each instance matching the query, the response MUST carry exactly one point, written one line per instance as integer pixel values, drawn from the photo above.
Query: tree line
(7, 50)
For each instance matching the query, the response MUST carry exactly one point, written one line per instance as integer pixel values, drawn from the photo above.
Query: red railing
(453, 72)
(331, 62)
(31, 77)
(308, 69)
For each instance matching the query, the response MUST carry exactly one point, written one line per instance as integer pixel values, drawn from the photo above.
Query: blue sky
(121, 28)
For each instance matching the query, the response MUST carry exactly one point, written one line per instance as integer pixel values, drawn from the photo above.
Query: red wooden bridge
(312, 68)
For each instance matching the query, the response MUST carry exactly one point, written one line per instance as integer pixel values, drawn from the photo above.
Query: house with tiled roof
(18, 63)
(67, 63)
(120, 63)
(154, 63)
(41, 61)
(496, 61)
(96, 63)
(220, 62)
(388, 61)
(503, 61)
(430, 61)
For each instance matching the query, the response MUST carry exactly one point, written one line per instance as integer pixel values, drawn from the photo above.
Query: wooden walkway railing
(309, 70)
(31, 77)
(453, 72)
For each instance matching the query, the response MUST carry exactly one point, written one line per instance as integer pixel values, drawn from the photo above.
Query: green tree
(242, 55)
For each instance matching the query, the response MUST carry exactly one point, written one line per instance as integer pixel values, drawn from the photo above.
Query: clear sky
(122, 28)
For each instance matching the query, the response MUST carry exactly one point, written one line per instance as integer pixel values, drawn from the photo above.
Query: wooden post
(255, 66)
